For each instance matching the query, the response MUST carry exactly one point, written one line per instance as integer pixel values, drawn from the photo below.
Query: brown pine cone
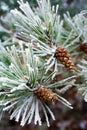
(63, 56)
(42, 93)
(83, 47)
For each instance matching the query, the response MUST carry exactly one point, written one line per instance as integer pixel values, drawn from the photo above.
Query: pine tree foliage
(83, 85)
(46, 47)
(50, 31)
(78, 25)
(20, 81)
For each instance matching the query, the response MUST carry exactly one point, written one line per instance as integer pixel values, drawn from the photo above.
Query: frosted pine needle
(20, 80)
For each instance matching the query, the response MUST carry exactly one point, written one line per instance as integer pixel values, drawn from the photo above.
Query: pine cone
(46, 95)
(83, 47)
(63, 56)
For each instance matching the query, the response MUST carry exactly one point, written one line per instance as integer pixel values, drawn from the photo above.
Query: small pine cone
(46, 95)
(83, 47)
(63, 56)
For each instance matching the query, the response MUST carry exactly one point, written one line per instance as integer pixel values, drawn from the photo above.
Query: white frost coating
(37, 119)
(85, 97)
(20, 87)
(3, 79)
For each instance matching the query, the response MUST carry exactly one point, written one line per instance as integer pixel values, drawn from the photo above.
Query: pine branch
(47, 48)
(22, 88)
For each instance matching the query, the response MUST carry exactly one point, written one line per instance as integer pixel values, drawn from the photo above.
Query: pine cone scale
(46, 95)
(63, 56)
